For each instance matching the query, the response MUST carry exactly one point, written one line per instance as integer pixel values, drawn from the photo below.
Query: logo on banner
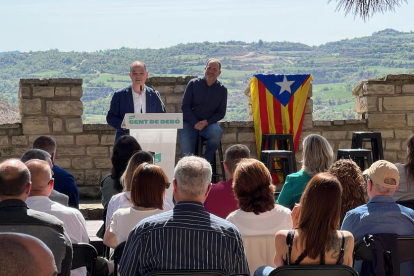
(157, 158)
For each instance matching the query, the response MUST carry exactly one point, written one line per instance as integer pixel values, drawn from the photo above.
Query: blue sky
(90, 25)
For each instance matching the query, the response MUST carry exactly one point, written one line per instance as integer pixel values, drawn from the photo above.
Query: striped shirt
(187, 237)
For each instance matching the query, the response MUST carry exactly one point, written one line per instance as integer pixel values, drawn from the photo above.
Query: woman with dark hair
(316, 240)
(148, 186)
(353, 184)
(258, 215)
(124, 148)
(406, 189)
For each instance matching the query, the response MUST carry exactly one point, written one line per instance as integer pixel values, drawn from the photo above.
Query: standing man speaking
(204, 104)
(135, 98)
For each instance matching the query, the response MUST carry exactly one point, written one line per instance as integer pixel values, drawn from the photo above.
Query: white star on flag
(285, 85)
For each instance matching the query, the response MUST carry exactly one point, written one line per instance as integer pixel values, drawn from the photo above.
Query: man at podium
(135, 98)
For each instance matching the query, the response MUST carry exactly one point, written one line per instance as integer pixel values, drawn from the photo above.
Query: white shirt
(73, 222)
(125, 219)
(139, 101)
(263, 224)
(123, 200)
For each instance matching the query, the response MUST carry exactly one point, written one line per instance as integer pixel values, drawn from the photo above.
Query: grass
(92, 118)
(336, 90)
(45, 74)
(106, 78)
(341, 107)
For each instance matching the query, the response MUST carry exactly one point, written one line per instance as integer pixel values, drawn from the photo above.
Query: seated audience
(316, 240)
(221, 201)
(258, 214)
(317, 156)
(64, 181)
(405, 190)
(147, 194)
(381, 214)
(354, 193)
(123, 200)
(187, 237)
(16, 217)
(73, 221)
(25, 255)
(123, 149)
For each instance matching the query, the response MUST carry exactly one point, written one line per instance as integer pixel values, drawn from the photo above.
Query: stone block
(4, 141)
(24, 92)
(246, 137)
(92, 177)
(13, 152)
(229, 138)
(171, 99)
(371, 88)
(62, 91)
(398, 89)
(403, 133)
(170, 108)
(20, 140)
(90, 192)
(408, 88)
(392, 145)
(179, 88)
(70, 151)
(391, 156)
(399, 103)
(74, 125)
(91, 139)
(57, 124)
(334, 134)
(14, 131)
(339, 122)
(307, 121)
(410, 119)
(35, 125)
(63, 140)
(401, 156)
(82, 163)
(386, 121)
(103, 163)
(310, 92)
(44, 91)
(64, 163)
(64, 108)
(3, 131)
(79, 177)
(344, 145)
(322, 123)
(165, 89)
(31, 107)
(385, 134)
(76, 91)
(107, 140)
(365, 104)
(97, 151)
(309, 106)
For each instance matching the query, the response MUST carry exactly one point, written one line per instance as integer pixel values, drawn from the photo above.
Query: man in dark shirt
(204, 104)
(188, 237)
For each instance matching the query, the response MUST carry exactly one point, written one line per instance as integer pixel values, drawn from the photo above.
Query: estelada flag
(278, 103)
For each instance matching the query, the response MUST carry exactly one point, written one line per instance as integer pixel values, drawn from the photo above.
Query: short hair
(234, 154)
(253, 187)
(317, 154)
(137, 159)
(193, 175)
(137, 63)
(385, 190)
(148, 186)
(215, 61)
(13, 178)
(35, 154)
(46, 143)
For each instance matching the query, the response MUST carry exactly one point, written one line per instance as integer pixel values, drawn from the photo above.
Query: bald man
(25, 255)
(15, 216)
(42, 186)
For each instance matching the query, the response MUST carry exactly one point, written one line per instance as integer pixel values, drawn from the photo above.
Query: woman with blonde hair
(317, 157)
(405, 190)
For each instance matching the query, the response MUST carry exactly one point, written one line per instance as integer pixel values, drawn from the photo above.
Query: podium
(157, 132)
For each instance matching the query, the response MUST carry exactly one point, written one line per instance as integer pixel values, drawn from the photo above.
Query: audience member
(187, 237)
(406, 189)
(381, 214)
(258, 214)
(123, 149)
(45, 156)
(221, 201)
(15, 216)
(317, 156)
(354, 193)
(148, 186)
(25, 255)
(64, 181)
(73, 221)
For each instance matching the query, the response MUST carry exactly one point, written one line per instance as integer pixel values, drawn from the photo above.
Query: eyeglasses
(167, 185)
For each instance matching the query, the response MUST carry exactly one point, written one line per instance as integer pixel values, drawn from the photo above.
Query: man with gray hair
(381, 214)
(188, 237)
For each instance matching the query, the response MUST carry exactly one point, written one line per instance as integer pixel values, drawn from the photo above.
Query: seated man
(381, 214)
(42, 186)
(204, 104)
(15, 216)
(187, 237)
(25, 255)
(221, 200)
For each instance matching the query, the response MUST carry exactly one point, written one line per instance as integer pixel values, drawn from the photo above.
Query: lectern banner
(153, 120)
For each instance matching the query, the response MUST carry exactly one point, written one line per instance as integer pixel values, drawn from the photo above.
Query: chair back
(119, 250)
(314, 270)
(84, 254)
(187, 272)
(260, 250)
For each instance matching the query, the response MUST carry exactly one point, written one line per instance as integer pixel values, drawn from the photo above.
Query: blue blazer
(122, 103)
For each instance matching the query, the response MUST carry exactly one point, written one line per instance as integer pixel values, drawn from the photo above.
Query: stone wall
(53, 107)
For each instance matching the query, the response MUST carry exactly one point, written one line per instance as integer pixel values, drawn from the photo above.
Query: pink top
(221, 201)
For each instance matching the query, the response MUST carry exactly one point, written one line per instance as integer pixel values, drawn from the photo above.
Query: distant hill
(12, 52)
